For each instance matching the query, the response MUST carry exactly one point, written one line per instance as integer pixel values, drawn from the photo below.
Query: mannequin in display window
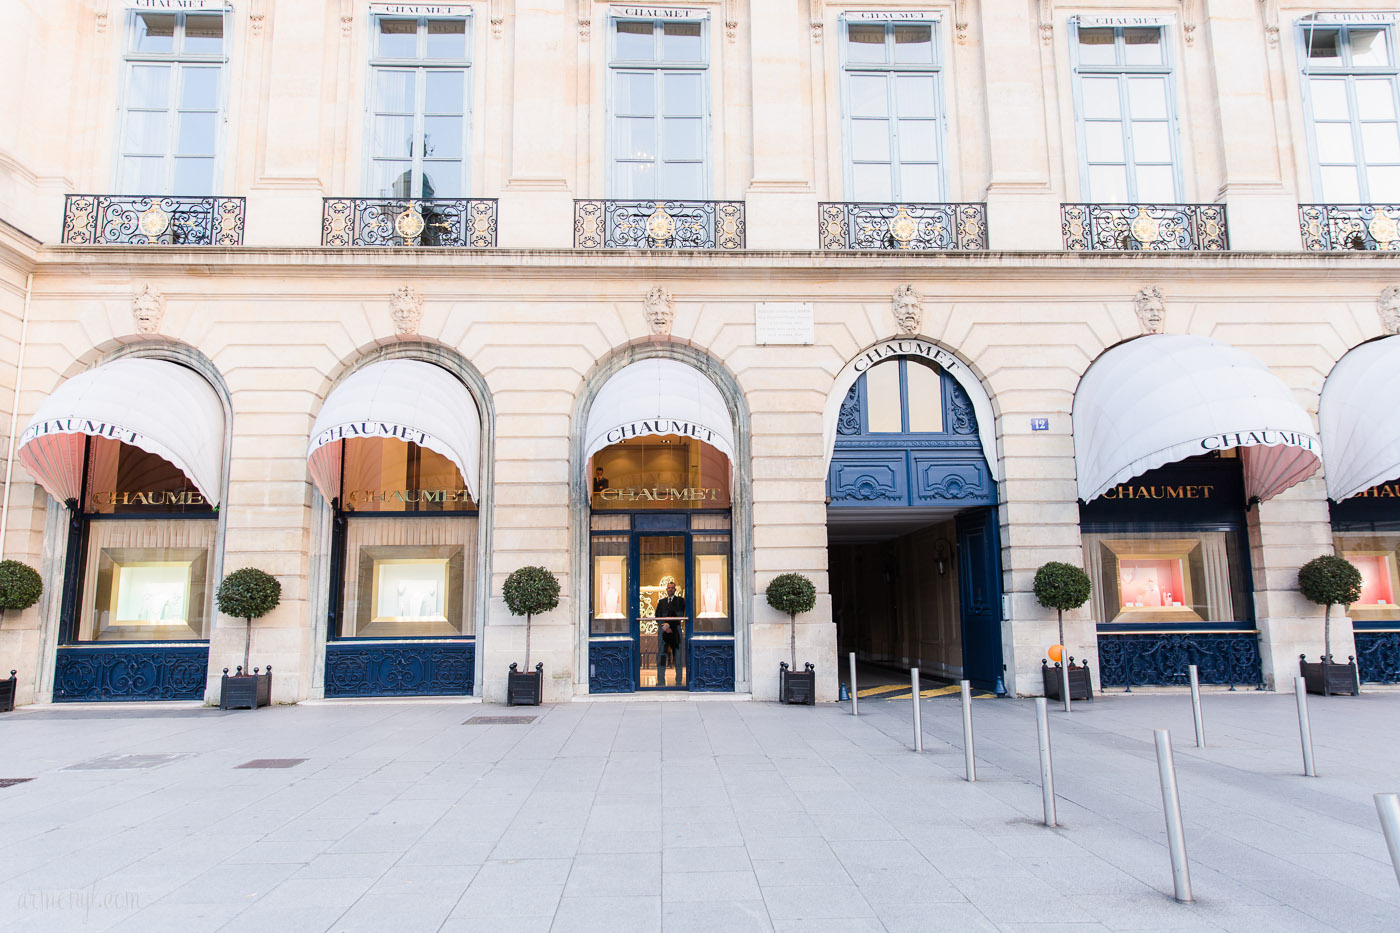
(670, 615)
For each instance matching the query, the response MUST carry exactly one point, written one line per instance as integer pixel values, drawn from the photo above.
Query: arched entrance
(912, 535)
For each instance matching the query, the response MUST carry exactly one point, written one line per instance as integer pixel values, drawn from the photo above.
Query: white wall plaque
(1090, 22)
(783, 322)
(659, 12)
(420, 9)
(884, 16)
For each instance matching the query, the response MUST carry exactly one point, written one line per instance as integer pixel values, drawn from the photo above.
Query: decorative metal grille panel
(408, 222)
(270, 763)
(659, 224)
(1127, 660)
(499, 721)
(152, 672)
(1111, 227)
(610, 667)
(1378, 657)
(1328, 227)
(358, 669)
(712, 666)
(151, 220)
(869, 225)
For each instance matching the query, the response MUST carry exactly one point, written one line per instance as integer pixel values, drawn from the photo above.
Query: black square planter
(245, 691)
(798, 688)
(7, 693)
(1081, 685)
(523, 687)
(1328, 677)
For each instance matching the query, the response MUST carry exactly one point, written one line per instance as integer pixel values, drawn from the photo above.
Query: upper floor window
(1349, 90)
(893, 103)
(420, 107)
(901, 396)
(172, 114)
(658, 105)
(1125, 116)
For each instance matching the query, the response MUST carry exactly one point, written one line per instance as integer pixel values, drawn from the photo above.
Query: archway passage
(913, 545)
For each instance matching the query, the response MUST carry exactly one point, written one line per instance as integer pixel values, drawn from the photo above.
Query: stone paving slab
(695, 816)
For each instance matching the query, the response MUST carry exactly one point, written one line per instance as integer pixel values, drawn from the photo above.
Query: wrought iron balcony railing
(874, 225)
(409, 222)
(151, 220)
(1328, 227)
(659, 224)
(1144, 226)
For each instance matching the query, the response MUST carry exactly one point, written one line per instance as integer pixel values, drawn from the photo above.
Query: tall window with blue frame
(658, 103)
(420, 107)
(172, 106)
(893, 102)
(1125, 115)
(1349, 92)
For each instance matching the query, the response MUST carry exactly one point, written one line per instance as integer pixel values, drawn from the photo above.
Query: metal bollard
(1064, 678)
(1388, 806)
(918, 723)
(1047, 768)
(1171, 806)
(1300, 687)
(968, 757)
(855, 700)
(1196, 707)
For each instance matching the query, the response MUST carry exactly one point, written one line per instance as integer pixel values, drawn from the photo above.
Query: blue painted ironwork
(610, 667)
(131, 672)
(1130, 659)
(151, 220)
(651, 224)
(712, 665)
(1327, 227)
(920, 227)
(1378, 656)
(467, 222)
(368, 669)
(1111, 227)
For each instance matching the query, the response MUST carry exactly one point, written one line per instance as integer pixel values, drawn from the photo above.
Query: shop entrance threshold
(662, 696)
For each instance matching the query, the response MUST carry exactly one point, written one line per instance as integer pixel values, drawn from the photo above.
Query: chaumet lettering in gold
(659, 495)
(1159, 492)
(1383, 491)
(183, 497)
(408, 496)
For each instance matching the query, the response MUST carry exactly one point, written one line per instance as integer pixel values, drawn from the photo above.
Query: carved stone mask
(406, 308)
(908, 308)
(1388, 306)
(660, 310)
(148, 309)
(1151, 310)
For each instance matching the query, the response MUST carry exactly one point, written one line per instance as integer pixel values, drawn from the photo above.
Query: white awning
(161, 407)
(406, 400)
(659, 397)
(1360, 419)
(1163, 398)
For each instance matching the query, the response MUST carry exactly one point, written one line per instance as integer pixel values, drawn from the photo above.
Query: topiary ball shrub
(530, 590)
(249, 593)
(1062, 586)
(1330, 580)
(20, 585)
(791, 593)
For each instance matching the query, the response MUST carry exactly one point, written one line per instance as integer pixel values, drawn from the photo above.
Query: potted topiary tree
(528, 591)
(791, 593)
(20, 587)
(1062, 586)
(247, 594)
(1326, 580)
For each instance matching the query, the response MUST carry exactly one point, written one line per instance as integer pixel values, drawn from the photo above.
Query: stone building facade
(860, 260)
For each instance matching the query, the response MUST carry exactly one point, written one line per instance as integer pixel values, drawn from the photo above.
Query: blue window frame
(420, 107)
(1350, 99)
(172, 119)
(892, 101)
(658, 109)
(1125, 114)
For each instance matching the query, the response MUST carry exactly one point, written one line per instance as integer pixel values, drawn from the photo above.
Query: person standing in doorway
(670, 616)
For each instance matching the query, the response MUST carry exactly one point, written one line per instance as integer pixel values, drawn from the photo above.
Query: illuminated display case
(609, 583)
(712, 572)
(410, 590)
(151, 592)
(1150, 579)
(405, 590)
(1379, 584)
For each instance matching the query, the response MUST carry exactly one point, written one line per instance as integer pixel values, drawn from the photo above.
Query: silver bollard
(1300, 687)
(1047, 768)
(1196, 707)
(1064, 678)
(1388, 806)
(918, 723)
(968, 757)
(855, 700)
(1171, 806)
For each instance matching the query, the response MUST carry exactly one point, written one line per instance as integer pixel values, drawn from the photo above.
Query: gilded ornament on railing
(409, 224)
(1145, 228)
(403, 222)
(660, 225)
(1115, 227)
(903, 228)
(654, 224)
(1327, 227)
(1384, 229)
(152, 220)
(875, 225)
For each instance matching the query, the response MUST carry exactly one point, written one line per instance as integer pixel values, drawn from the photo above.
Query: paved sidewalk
(691, 816)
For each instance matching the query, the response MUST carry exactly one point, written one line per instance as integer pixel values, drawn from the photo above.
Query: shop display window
(669, 473)
(1375, 555)
(609, 585)
(1166, 578)
(711, 553)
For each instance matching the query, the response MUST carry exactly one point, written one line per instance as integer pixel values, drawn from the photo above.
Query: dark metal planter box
(1081, 685)
(798, 688)
(245, 691)
(1329, 677)
(523, 687)
(7, 693)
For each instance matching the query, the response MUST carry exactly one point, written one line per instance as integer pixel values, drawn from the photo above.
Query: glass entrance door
(662, 621)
